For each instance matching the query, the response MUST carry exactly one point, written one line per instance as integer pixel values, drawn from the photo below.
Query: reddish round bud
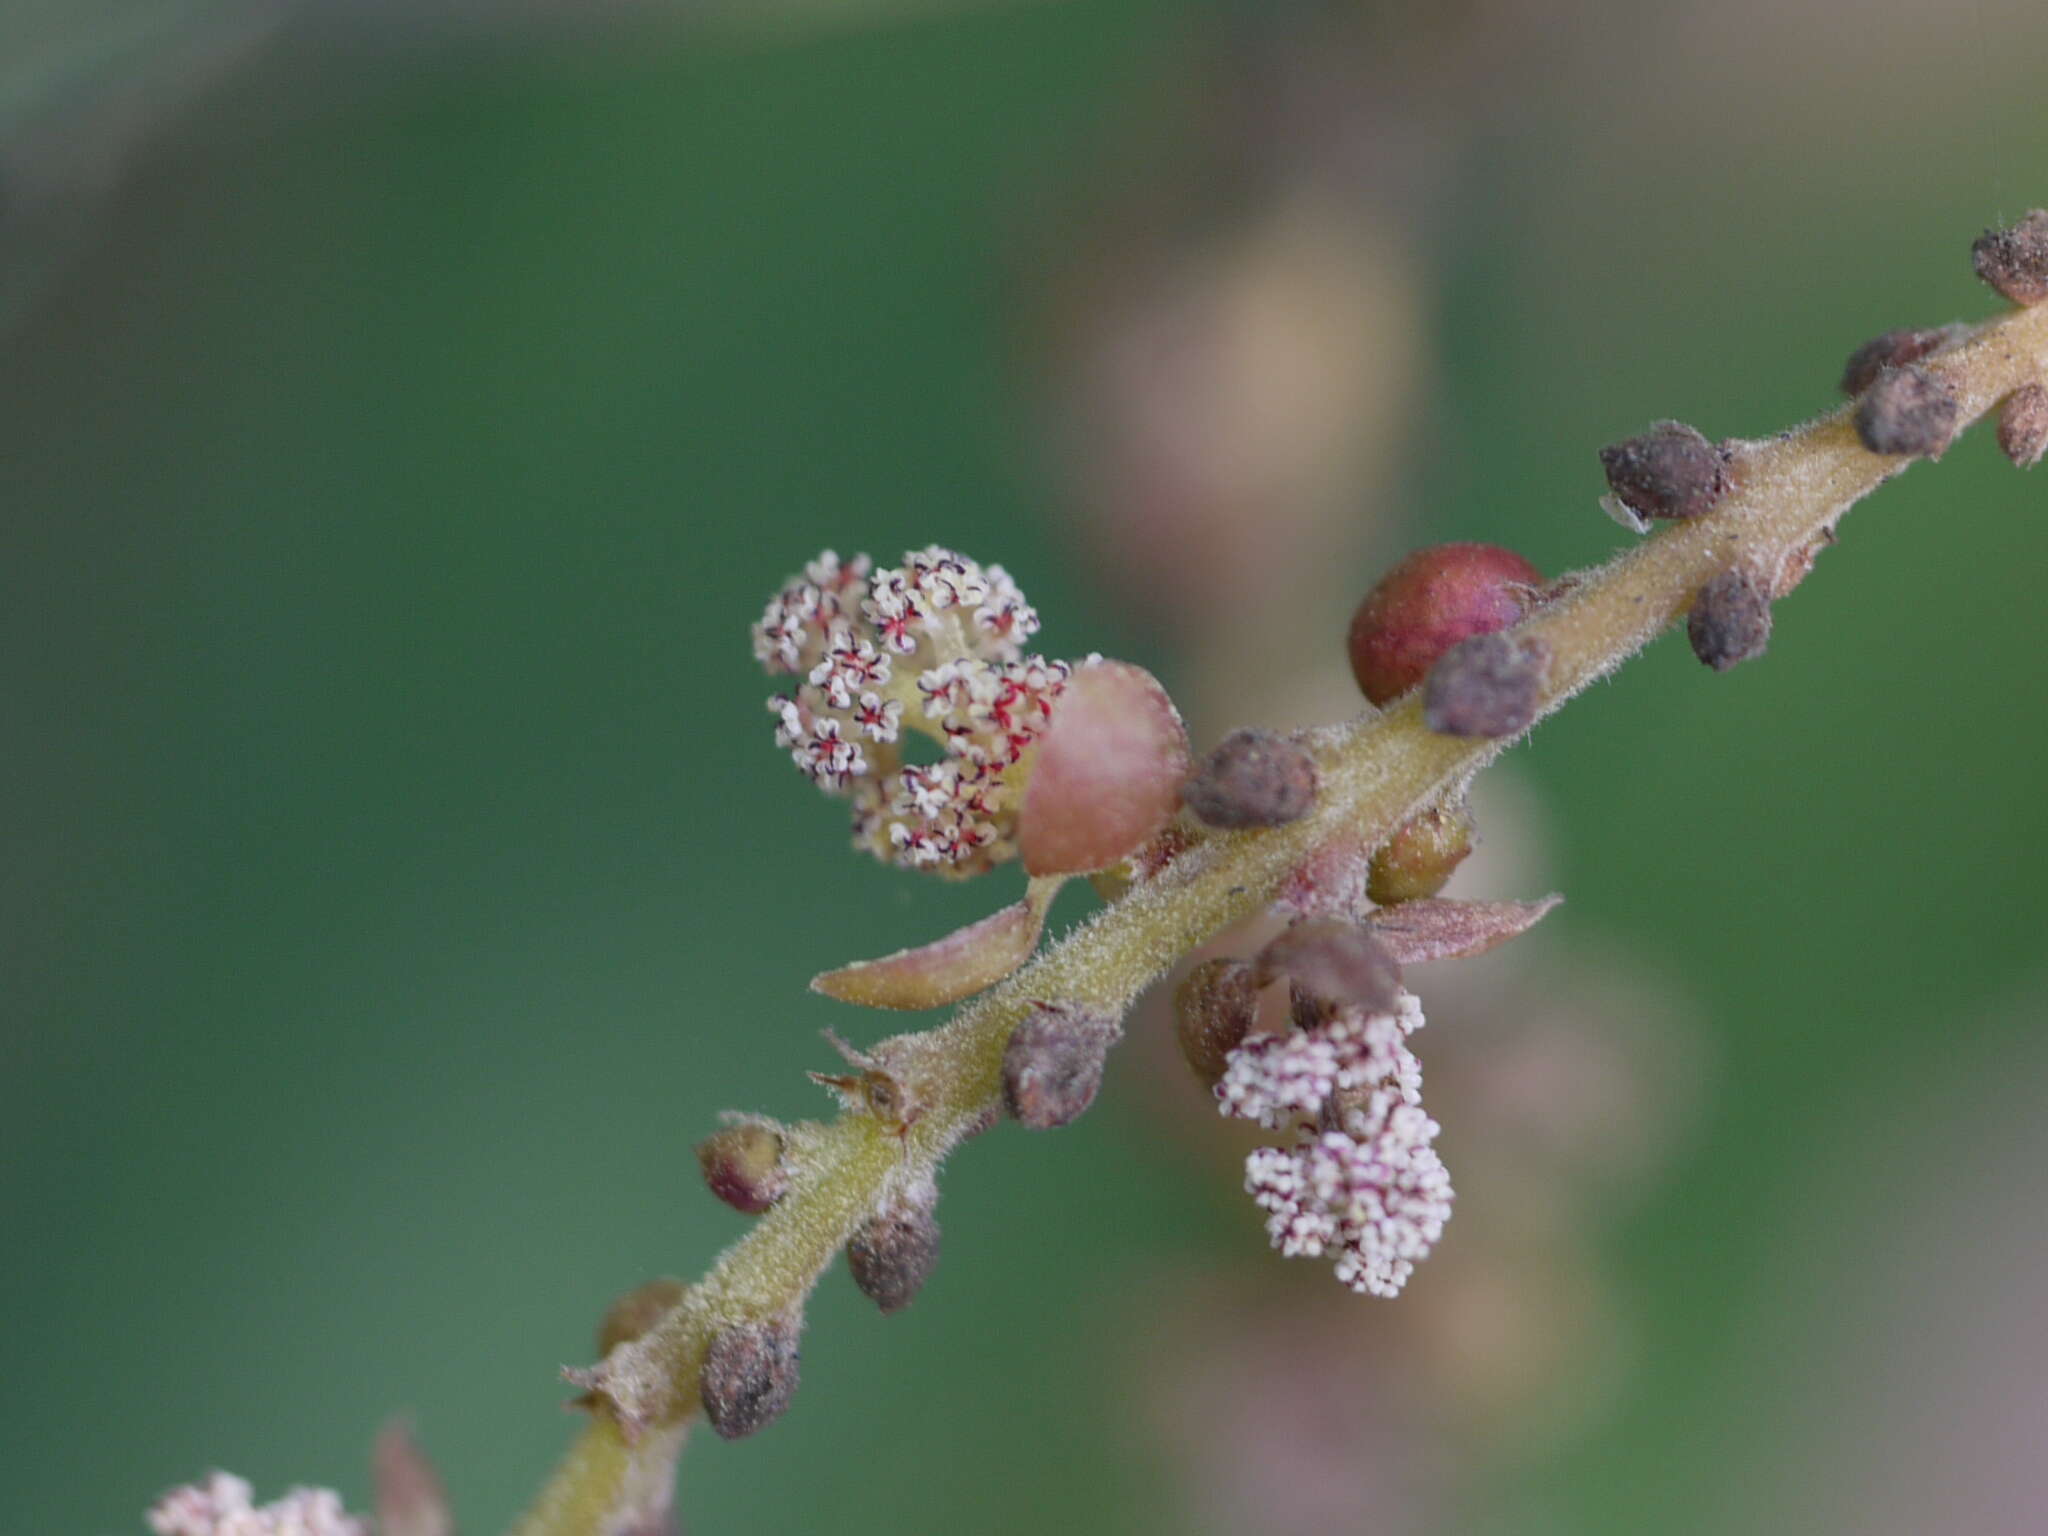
(636, 1312)
(1052, 1067)
(1213, 1010)
(892, 1255)
(749, 1376)
(1419, 859)
(1106, 776)
(743, 1166)
(1427, 604)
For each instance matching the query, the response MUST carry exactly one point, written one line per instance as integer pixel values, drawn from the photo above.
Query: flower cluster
(221, 1506)
(934, 645)
(1363, 1182)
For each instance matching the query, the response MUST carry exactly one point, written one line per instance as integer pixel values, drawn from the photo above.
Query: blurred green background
(396, 439)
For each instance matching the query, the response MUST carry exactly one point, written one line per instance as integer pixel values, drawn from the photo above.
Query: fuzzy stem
(1376, 773)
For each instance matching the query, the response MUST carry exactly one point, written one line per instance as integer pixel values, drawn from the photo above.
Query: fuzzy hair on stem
(1375, 773)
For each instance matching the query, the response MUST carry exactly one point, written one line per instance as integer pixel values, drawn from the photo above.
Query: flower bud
(1053, 1064)
(2023, 425)
(1894, 349)
(1332, 960)
(635, 1312)
(1490, 686)
(2015, 261)
(1669, 471)
(1106, 775)
(1213, 1010)
(1730, 619)
(1908, 412)
(749, 1376)
(1252, 779)
(893, 1254)
(743, 1166)
(1420, 857)
(1427, 604)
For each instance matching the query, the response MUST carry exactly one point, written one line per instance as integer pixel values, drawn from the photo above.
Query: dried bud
(1253, 779)
(2023, 425)
(892, 1255)
(1730, 619)
(1052, 1066)
(743, 1166)
(1490, 686)
(2015, 260)
(1419, 859)
(635, 1312)
(1213, 1010)
(411, 1499)
(1427, 604)
(749, 1376)
(1907, 411)
(1894, 349)
(1106, 775)
(1669, 471)
(1333, 960)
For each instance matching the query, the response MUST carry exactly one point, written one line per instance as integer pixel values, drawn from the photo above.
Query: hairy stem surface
(1376, 773)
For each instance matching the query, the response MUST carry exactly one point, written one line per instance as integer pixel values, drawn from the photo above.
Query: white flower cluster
(1362, 1183)
(222, 1506)
(933, 644)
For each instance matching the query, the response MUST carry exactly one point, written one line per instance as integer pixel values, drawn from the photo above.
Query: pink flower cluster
(222, 1506)
(935, 645)
(1362, 1182)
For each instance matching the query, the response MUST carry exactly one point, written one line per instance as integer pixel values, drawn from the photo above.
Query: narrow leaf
(946, 970)
(1418, 931)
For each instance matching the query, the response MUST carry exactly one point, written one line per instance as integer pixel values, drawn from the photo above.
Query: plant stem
(1376, 773)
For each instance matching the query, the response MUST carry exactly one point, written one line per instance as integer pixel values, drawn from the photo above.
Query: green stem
(1376, 772)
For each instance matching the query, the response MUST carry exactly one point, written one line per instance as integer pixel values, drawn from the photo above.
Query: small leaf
(1419, 931)
(411, 1500)
(946, 970)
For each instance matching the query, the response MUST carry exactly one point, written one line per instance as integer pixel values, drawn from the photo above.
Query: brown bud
(1420, 857)
(1894, 349)
(749, 1376)
(1213, 1010)
(893, 1254)
(1334, 960)
(1052, 1066)
(2015, 261)
(635, 1312)
(2023, 425)
(743, 1166)
(1730, 619)
(1252, 779)
(1669, 471)
(1489, 686)
(1907, 411)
